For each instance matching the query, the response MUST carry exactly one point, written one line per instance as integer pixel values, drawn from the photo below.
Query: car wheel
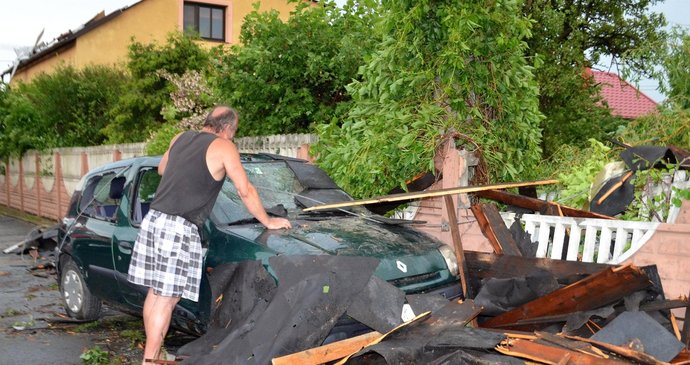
(78, 300)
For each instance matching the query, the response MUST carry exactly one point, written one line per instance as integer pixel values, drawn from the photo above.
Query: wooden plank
(629, 353)
(550, 354)
(682, 358)
(483, 265)
(536, 205)
(326, 353)
(428, 194)
(415, 320)
(593, 292)
(494, 228)
(457, 243)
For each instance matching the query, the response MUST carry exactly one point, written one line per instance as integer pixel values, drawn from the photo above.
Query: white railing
(584, 239)
(600, 240)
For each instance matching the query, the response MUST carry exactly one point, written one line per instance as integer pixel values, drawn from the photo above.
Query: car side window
(101, 196)
(147, 183)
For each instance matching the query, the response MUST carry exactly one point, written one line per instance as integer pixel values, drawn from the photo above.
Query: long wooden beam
(428, 194)
(535, 204)
(327, 353)
(546, 354)
(459, 250)
(495, 230)
(592, 292)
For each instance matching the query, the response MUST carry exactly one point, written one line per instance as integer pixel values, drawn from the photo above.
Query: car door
(134, 208)
(92, 232)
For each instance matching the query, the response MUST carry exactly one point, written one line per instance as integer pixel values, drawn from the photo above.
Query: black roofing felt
(314, 292)
(656, 340)
(444, 332)
(311, 176)
(379, 306)
(501, 295)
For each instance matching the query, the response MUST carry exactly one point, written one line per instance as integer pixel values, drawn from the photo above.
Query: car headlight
(449, 255)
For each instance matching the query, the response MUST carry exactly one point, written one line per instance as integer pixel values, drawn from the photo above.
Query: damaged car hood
(402, 251)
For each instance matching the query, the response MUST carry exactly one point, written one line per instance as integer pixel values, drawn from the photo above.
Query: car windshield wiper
(274, 211)
(323, 214)
(243, 221)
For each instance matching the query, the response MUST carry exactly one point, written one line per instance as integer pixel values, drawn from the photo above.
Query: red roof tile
(624, 100)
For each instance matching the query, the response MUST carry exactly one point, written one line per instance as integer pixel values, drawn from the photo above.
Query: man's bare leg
(157, 314)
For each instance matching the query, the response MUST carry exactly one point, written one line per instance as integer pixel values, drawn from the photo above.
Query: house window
(207, 20)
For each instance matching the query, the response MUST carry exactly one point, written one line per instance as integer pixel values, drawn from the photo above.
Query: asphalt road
(33, 329)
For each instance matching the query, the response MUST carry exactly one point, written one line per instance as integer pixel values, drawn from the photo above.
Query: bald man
(167, 255)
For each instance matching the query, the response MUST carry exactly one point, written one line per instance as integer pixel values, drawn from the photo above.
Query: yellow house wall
(148, 21)
(65, 56)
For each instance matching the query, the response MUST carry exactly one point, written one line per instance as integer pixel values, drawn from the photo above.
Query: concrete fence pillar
(84, 163)
(59, 183)
(21, 185)
(38, 185)
(8, 182)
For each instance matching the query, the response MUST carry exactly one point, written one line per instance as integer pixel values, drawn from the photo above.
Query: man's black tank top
(187, 189)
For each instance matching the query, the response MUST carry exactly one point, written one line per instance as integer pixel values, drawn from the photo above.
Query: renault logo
(401, 266)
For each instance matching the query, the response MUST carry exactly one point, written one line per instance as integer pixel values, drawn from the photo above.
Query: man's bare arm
(245, 189)
(164, 160)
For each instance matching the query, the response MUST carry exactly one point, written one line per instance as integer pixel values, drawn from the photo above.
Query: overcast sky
(21, 21)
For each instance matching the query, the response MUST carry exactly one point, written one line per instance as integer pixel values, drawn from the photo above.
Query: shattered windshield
(276, 184)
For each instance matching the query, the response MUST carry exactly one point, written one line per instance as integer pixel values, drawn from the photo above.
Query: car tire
(77, 298)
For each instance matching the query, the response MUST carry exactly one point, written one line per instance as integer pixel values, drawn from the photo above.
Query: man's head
(222, 119)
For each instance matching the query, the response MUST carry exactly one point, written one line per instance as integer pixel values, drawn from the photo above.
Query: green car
(108, 204)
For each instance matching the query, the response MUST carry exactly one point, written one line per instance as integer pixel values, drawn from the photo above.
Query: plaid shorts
(167, 256)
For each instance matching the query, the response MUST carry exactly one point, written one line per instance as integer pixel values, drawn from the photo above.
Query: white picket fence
(584, 239)
(594, 240)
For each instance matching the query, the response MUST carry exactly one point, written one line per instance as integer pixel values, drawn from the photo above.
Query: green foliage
(288, 76)
(676, 63)
(582, 166)
(138, 110)
(443, 69)
(570, 36)
(95, 356)
(134, 336)
(66, 108)
(653, 196)
(671, 126)
(159, 141)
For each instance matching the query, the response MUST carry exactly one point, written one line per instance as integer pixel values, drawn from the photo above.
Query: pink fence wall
(44, 196)
(42, 183)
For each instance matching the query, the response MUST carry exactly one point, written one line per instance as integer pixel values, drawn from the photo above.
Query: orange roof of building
(625, 100)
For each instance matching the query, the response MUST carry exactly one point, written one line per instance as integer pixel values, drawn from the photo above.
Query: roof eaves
(69, 36)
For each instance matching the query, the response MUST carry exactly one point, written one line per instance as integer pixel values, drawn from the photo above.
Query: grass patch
(90, 326)
(118, 323)
(95, 356)
(135, 337)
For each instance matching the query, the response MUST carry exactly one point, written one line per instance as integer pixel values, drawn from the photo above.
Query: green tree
(676, 63)
(138, 110)
(671, 125)
(443, 69)
(571, 36)
(287, 76)
(68, 107)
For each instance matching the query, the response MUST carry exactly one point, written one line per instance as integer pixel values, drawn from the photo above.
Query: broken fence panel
(605, 241)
